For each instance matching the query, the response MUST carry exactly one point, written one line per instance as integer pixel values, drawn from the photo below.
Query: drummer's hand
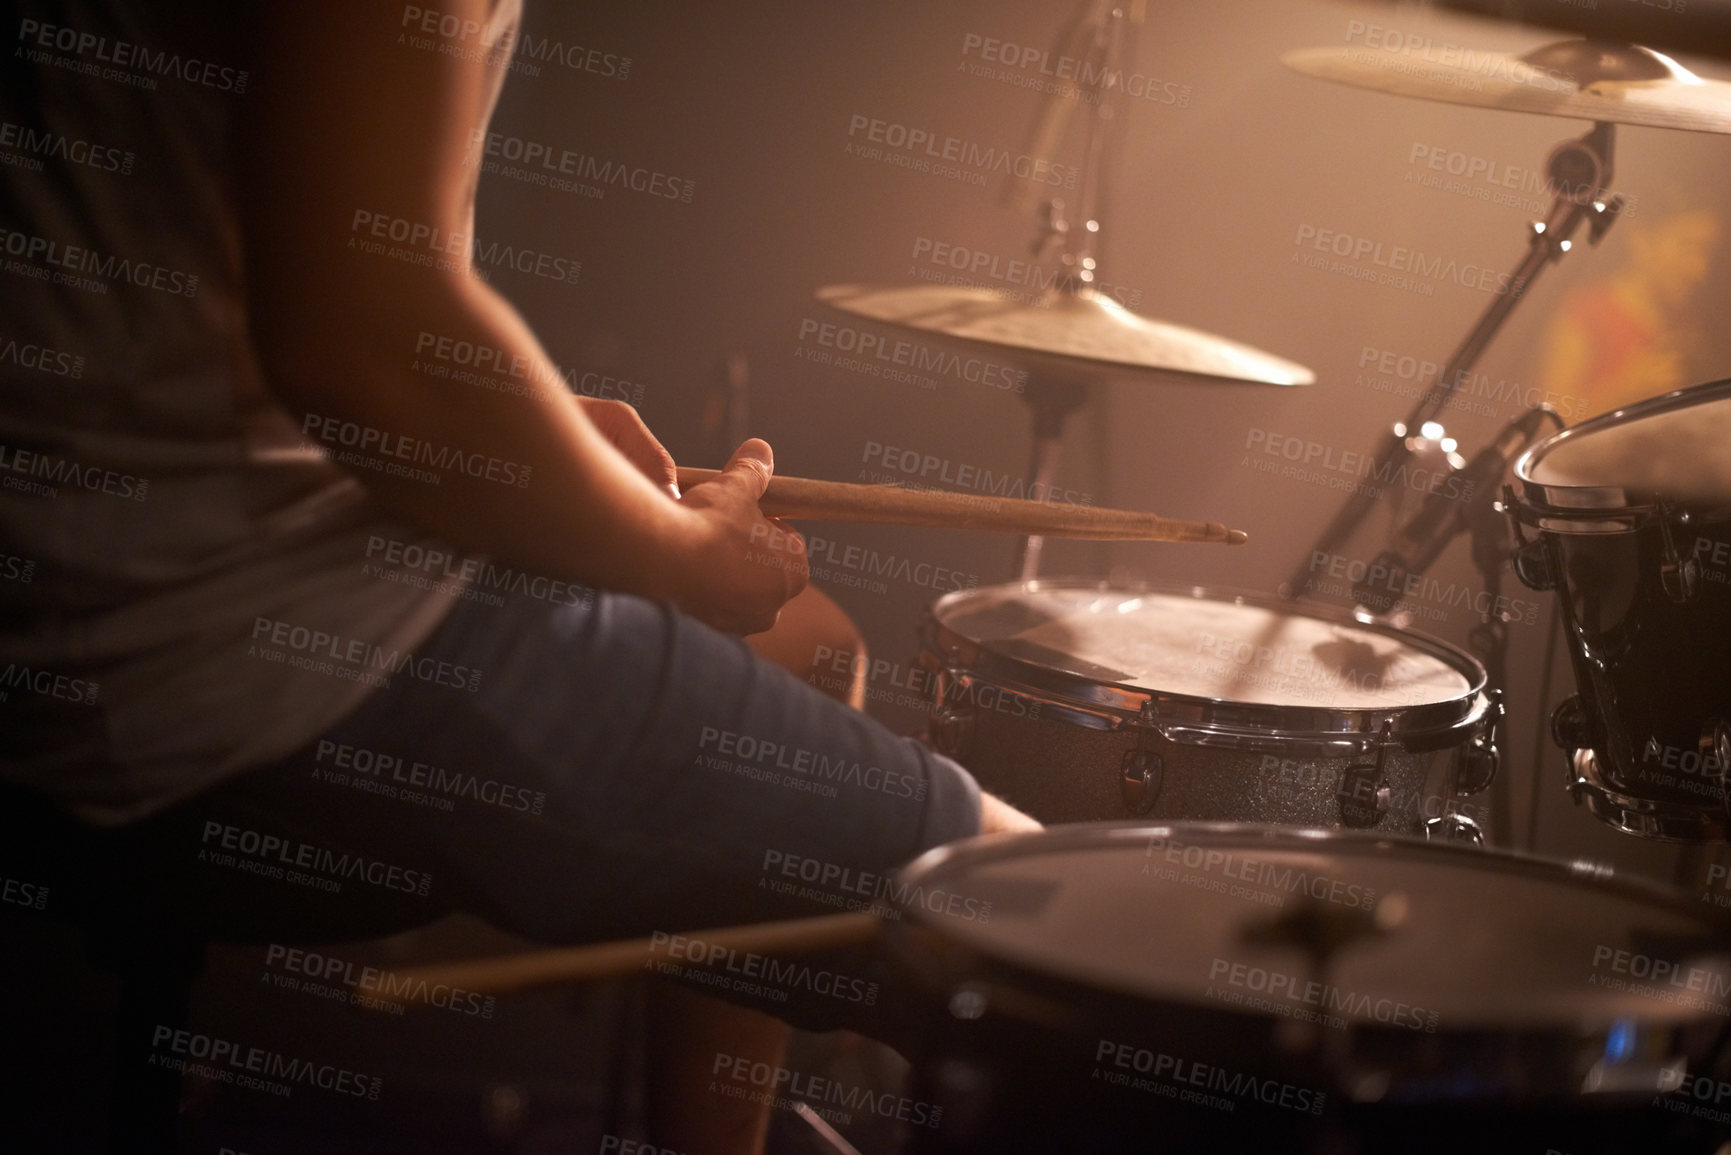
(620, 424)
(999, 817)
(745, 566)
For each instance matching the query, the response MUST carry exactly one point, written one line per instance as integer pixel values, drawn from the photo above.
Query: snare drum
(1633, 518)
(1081, 702)
(1132, 988)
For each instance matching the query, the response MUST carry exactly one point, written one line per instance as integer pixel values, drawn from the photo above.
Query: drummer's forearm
(526, 478)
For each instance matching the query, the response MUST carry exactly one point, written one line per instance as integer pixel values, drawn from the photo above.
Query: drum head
(1675, 446)
(1189, 644)
(1423, 937)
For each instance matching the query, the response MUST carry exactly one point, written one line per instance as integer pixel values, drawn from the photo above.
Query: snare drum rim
(1587, 509)
(1197, 720)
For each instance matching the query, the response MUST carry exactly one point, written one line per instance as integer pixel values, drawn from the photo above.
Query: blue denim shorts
(616, 770)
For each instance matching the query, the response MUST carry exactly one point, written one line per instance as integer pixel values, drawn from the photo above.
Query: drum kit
(1145, 981)
(1266, 917)
(1117, 702)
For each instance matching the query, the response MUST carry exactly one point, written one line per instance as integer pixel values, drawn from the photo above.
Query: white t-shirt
(188, 586)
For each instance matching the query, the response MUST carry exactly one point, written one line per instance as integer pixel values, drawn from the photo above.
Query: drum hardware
(1492, 546)
(1364, 787)
(1144, 769)
(1581, 776)
(1590, 786)
(1715, 746)
(1680, 578)
(1609, 84)
(1454, 827)
(1578, 172)
(1571, 725)
(1050, 400)
(1533, 567)
(1715, 750)
(1444, 514)
(1572, 731)
(1715, 753)
(1075, 331)
(1070, 335)
(1481, 758)
(952, 721)
(1421, 540)
(1532, 557)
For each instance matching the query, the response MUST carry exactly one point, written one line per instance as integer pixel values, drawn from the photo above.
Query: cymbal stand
(1492, 548)
(1102, 36)
(1580, 172)
(1051, 400)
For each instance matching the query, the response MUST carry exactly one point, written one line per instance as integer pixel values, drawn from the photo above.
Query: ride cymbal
(1701, 27)
(1582, 79)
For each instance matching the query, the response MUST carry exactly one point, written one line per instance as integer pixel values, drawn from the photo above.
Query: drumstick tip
(1236, 537)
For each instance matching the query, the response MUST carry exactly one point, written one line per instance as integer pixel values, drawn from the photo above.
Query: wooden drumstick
(507, 974)
(804, 498)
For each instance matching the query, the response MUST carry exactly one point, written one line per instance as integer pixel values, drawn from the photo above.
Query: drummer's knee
(818, 643)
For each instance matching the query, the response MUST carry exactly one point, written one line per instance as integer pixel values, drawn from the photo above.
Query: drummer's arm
(999, 817)
(346, 127)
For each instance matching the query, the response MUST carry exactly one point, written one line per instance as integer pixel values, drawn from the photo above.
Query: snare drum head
(1194, 645)
(1430, 938)
(1678, 446)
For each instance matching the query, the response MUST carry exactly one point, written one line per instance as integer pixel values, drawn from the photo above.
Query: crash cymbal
(1084, 327)
(1583, 79)
(1698, 26)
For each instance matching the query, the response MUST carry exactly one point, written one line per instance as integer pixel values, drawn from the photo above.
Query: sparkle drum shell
(1629, 517)
(1080, 701)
